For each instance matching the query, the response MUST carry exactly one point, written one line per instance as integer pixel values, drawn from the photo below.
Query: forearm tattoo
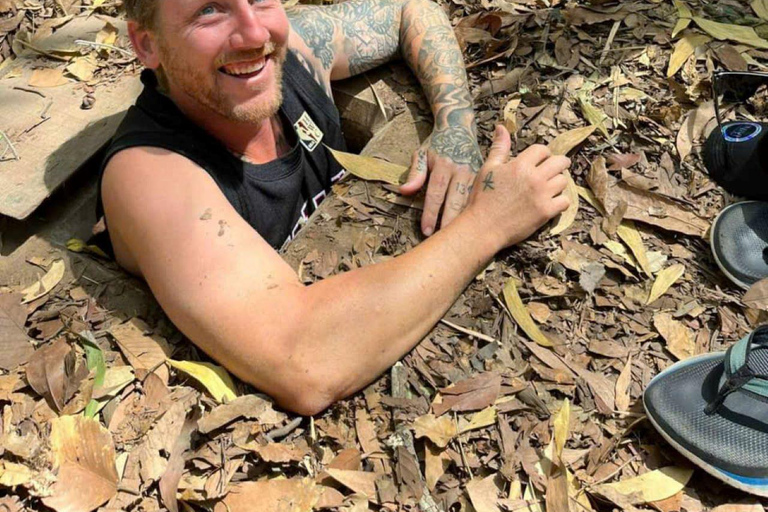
(430, 48)
(367, 31)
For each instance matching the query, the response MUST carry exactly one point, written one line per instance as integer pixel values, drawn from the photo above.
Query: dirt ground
(526, 396)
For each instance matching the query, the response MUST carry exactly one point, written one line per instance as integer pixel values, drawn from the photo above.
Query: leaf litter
(539, 409)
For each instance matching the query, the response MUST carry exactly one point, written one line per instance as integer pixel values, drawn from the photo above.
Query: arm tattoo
(430, 48)
(313, 71)
(366, 29)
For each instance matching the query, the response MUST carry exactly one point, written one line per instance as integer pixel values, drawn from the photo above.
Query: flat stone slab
(50, 134)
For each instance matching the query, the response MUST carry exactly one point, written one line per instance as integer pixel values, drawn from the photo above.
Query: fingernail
(428, 231)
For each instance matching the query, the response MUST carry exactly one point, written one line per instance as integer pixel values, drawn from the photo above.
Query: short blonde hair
(143, 12)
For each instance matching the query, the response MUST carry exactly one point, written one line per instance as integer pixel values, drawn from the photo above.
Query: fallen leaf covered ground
(526, 396)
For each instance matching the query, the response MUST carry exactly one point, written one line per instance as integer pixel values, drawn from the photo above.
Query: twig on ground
(10, 145)
(83, 42)
(285, 430)
(33, 91)
(469, 332)
(609, 42)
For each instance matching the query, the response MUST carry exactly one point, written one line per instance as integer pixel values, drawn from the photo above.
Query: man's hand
(450, 157)
(513, 197)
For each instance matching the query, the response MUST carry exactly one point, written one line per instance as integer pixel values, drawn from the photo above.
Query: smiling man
(223, 158)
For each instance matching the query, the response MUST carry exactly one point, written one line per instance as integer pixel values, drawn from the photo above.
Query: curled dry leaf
(664, 280)
(521, 315)
(629, 234)
(438, 430)
(652, 486)
(642, 205)
(565, 219)
(372, 169)
(46, 283)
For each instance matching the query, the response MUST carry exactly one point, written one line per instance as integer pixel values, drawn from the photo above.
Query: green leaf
(94, 359)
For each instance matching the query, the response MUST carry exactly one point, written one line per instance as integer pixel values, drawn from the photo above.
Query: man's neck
(256, 143)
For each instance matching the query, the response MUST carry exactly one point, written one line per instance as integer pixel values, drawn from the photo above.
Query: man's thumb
(502, 145)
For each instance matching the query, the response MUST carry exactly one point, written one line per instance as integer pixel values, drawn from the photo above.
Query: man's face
(224, 57)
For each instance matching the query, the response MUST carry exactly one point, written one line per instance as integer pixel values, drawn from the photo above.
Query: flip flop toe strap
(739, 375)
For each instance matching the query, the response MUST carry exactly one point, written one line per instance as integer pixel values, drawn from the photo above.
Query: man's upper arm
(216, 278)
(349, 38)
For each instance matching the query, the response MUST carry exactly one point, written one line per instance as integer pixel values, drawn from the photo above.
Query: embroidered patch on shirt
(309, 134)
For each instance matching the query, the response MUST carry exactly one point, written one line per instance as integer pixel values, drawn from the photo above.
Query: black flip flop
(713, 409)
(739, 239)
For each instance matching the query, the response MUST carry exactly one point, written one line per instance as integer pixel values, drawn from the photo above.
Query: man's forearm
(430, 48)
(354, 326)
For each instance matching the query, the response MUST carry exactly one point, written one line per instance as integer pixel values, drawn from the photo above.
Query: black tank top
(277, 197)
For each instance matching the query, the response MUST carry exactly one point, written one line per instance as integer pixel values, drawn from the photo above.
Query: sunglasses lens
(741, 98)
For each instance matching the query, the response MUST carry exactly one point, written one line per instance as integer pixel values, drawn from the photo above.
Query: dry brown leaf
(15, 348)
(761, 8)
(47, 371)
(694, 128)
(47, 78)
(83, 68)
(664, 280)
(739, 507)
(499, 85)
(279, 452)
(731, 32)
(438, 430)
(684, 48)
(622, 386)
(521, 315)
(276, 495)
(436, 461)
(679, 338)
(642, 205)
(246, 406)
(484, 493)
(360, 482)
(469, 394)
(757, 295)
(13, 474)
(371, 168)
(565, 219)
(629, 234)
(47, 283)
(652, 486)
(366, 433)
(482, 419)
(143, 351)
(85, 455)
(566, 141)
(684, 17)
(510, 116)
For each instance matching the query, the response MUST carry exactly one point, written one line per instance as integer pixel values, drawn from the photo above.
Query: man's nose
(249, 32)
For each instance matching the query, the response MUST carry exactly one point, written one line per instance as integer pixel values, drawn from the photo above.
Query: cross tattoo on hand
(488, 182)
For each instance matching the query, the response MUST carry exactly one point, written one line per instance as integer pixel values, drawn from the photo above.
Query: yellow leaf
(107, 35)
(622, 386)
(215, 378)
(510, 116)
(590, 198)
(652, 486)
(77, 245)
(560, 428)
(761, 8)
(631, 236)
(664, 280)
(684, 14)
(46, 284)
(47, 78)
(371, 168)
(679, 338)
(484, 418)
(565, 219)
(96, 4)
(12, 474)
(83, 68)
(439, 430)
(521, 315)
(684, 48)
(593, 114)
(728, 31)
(619, 250)
(566, 141)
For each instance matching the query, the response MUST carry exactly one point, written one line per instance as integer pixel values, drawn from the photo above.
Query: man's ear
(144, 43)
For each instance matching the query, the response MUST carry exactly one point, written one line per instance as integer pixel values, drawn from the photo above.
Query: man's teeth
(244, 68)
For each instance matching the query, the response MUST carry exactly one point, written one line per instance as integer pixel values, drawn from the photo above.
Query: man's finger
(533, 155)
(500, 148)
(456, 199)
(438, 185)
(553, 166)
(417, 174)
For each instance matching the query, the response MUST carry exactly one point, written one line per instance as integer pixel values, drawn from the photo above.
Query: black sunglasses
(735, 87)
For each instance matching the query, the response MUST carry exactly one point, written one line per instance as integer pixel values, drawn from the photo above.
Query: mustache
(246, 55)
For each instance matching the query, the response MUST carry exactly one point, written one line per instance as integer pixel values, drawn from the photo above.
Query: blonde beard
(188, 81)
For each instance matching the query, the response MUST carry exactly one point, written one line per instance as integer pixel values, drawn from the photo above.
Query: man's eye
(208, 10)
